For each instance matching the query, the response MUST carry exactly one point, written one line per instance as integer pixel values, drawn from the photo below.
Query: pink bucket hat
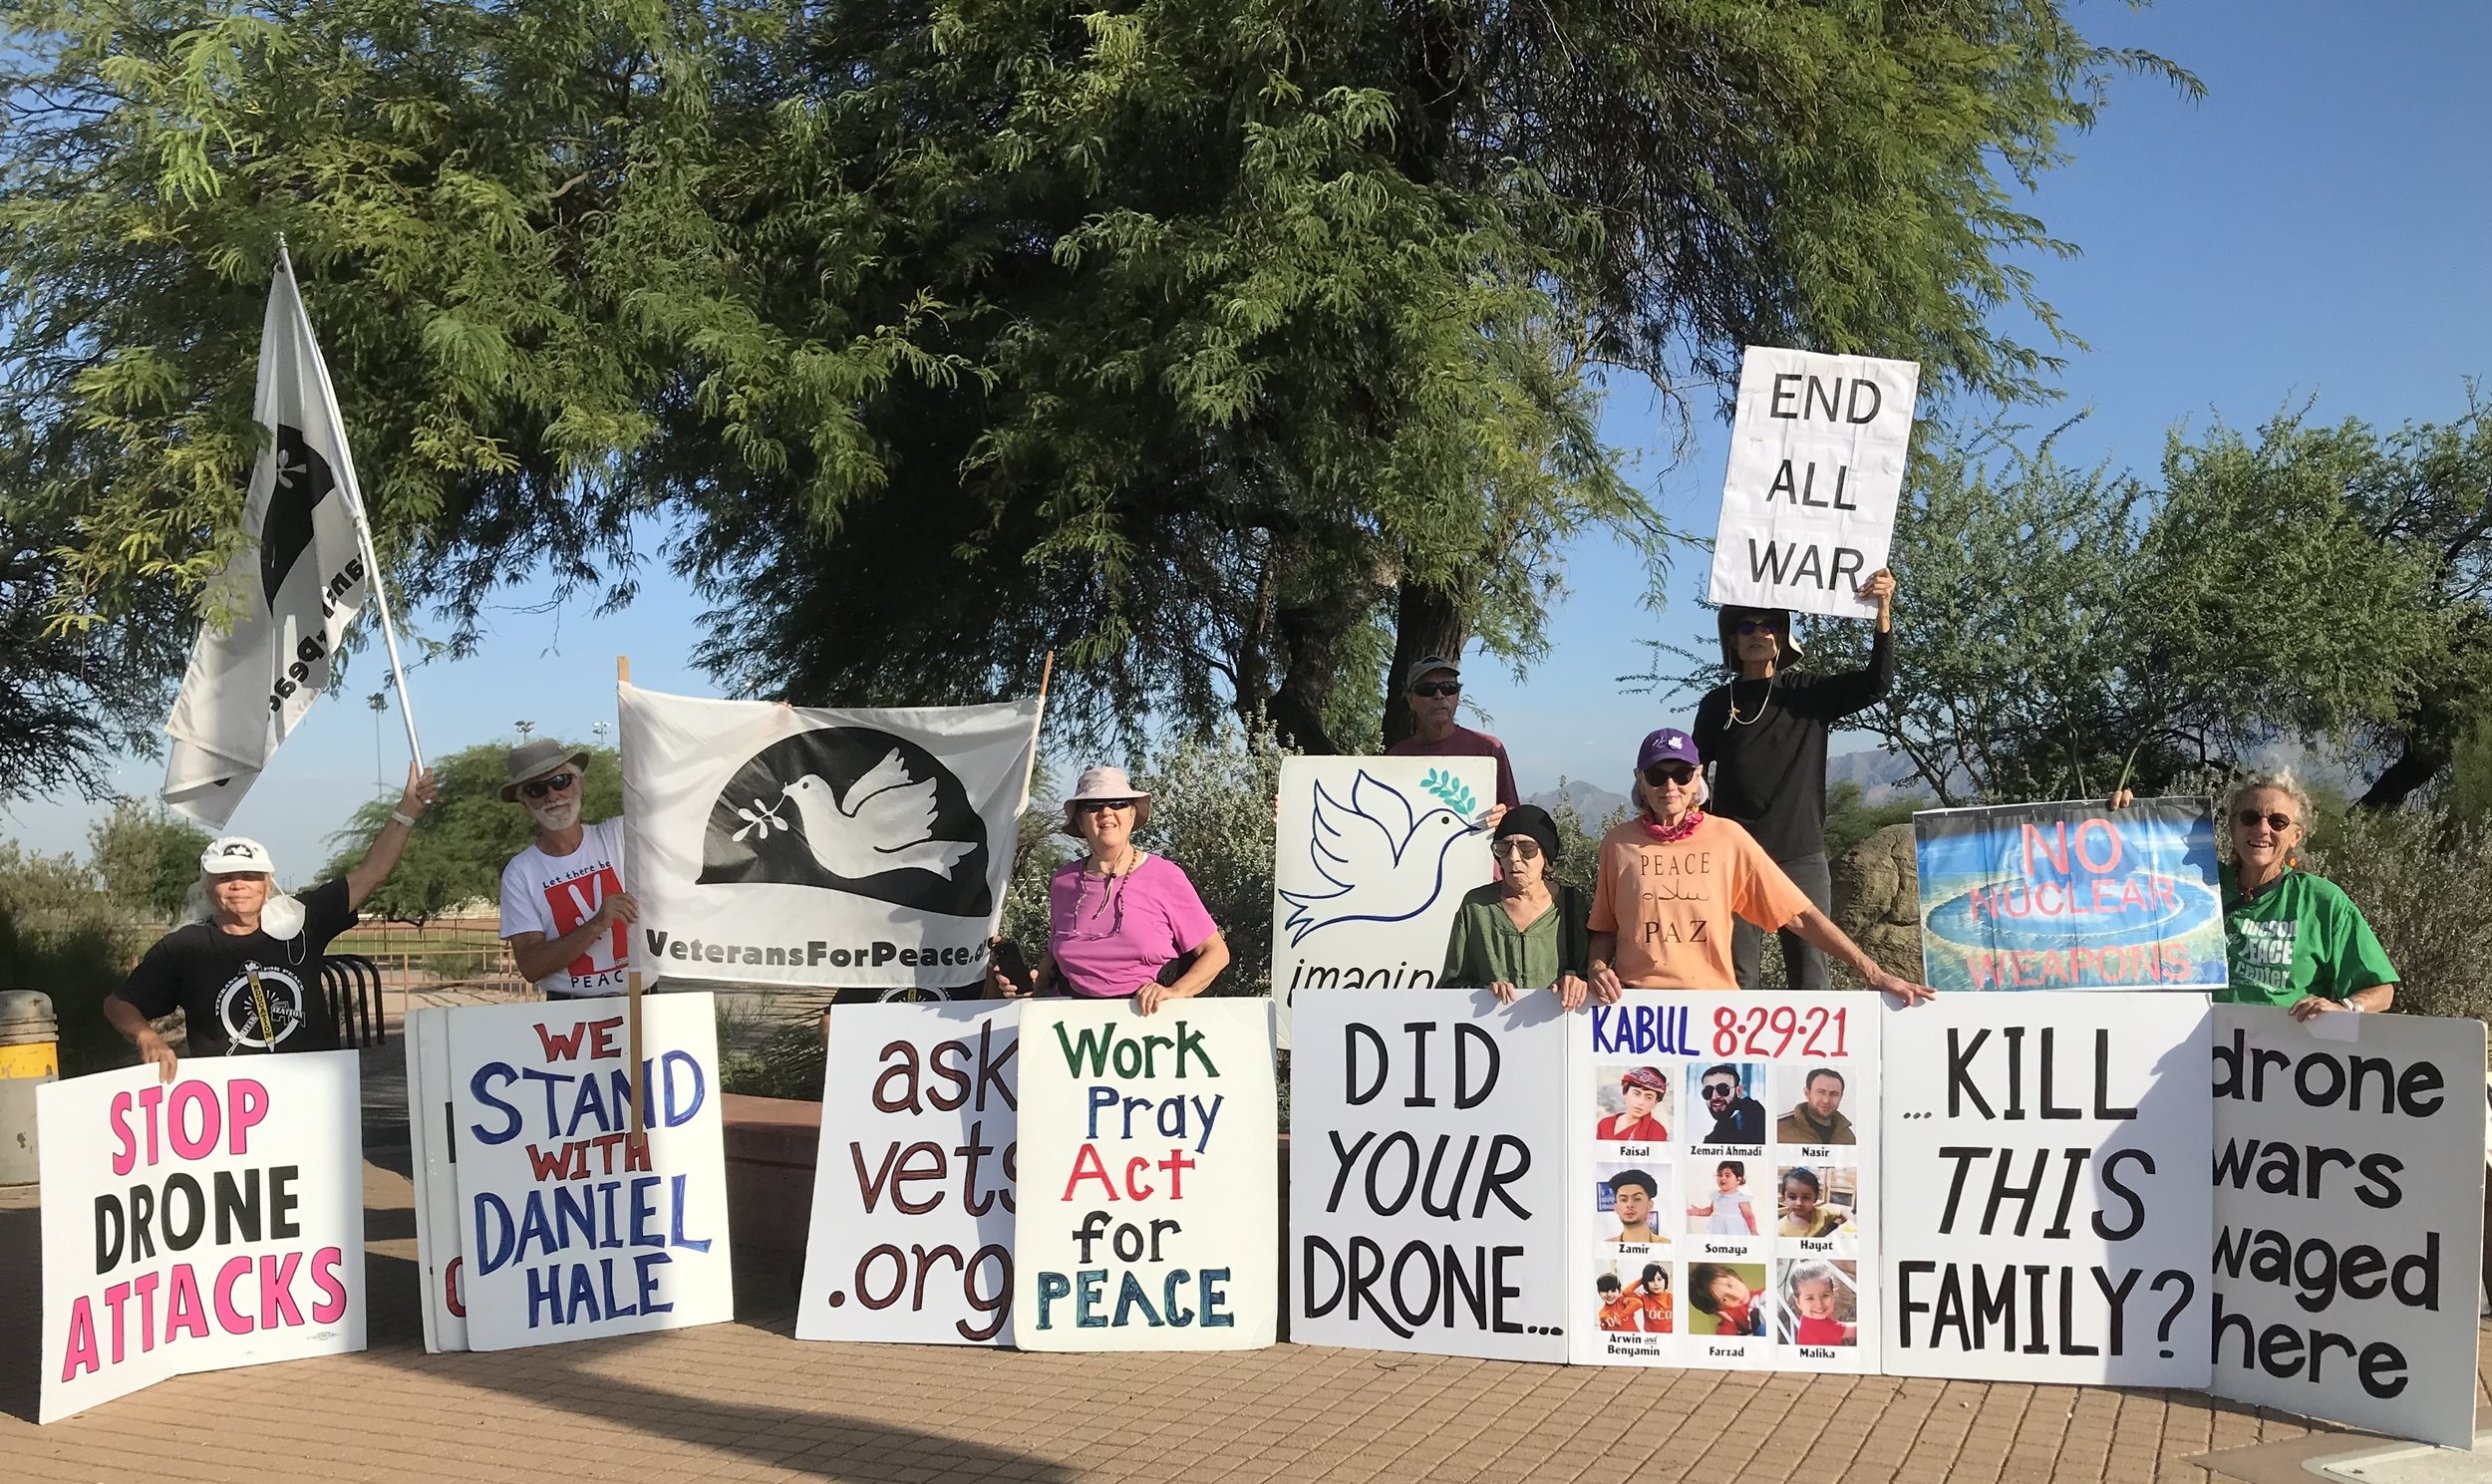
(1108, 782)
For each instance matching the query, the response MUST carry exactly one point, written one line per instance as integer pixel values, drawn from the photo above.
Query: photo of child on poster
(1629, 1199)
(1632, 1101)
(1727, 1211)
(1730, 1297)
(1817, 1203)
(1817, 1304)
(1634, 1298)
(1721, 1103)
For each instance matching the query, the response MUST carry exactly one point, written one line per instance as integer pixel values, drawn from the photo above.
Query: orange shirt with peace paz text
(1671, 905)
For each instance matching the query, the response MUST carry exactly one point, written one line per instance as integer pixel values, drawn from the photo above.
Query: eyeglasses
(1438, 688)
(540, 787)
(1094, 806)
(1515, 846)
(1761, 626)
(1668, 773)
(2248, 820)
(1721, 1089)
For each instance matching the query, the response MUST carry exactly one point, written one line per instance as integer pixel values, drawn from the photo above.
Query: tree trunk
(2429, 746)
(1308, 635)
(1426, 622)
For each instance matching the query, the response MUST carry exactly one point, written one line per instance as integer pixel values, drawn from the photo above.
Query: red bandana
(1671, 835)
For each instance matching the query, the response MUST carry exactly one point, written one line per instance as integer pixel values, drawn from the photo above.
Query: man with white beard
(564, 912)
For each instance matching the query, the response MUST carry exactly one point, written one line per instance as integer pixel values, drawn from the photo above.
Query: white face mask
(553, 817)
(282, 917)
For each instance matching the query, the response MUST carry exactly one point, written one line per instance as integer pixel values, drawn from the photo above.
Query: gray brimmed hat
(1108, 782)
(1427, 663)
(534, 759)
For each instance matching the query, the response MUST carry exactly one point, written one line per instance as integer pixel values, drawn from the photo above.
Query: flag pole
(363, 528)
(1046, 672)
(636, 1140)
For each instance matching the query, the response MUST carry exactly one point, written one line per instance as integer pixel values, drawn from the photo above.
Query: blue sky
(2317, 226)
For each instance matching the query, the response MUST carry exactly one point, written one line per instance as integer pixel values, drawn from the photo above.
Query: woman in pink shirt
(1119, 916)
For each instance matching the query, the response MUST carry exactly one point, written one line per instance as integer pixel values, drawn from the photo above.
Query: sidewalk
(746, 1401)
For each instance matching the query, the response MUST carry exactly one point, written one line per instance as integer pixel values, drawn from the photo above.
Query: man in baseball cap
(564, 910)
(1433, 687)
(247, 977)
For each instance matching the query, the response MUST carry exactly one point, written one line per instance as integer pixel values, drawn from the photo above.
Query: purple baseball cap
(1670, 745)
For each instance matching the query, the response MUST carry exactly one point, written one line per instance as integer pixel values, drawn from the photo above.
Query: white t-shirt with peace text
(553, 894)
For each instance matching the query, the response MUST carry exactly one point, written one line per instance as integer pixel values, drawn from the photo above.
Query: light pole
(597, 730)
(525, 727)
(379, 700)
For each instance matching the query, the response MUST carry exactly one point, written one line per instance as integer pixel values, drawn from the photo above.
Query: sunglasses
(1761, 626)
(1721, 1089)
(1094, 806)
(1438, 688)
(540, 787)
(1668, 773)
(1518, 848)
(2248, 820)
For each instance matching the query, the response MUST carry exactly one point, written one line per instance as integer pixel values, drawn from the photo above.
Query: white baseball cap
(234, 855)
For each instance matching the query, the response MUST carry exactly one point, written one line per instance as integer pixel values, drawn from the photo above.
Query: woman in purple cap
(1119, 916)
(1673, 879)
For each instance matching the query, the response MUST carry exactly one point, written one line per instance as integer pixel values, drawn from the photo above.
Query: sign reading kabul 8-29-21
(2071, 896)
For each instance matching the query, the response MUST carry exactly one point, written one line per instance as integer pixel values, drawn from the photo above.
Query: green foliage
(70, 697)
(1579, 841)
(1211, 814)
(1849, 822)
(766, 1059)
(148, 859)
(1204, 344)
(62, 934)
(456, 852)
(2400, 866)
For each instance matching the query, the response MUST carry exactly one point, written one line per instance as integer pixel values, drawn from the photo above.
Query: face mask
(282, 917)
(556, 818)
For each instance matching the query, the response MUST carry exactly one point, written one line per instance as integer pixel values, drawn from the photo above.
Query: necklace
(1731, 692)
(1111, 892)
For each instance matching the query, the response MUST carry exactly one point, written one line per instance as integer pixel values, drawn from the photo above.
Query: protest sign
(1370, 858)
(1152, 1216)
(2071, 895)
(913, 1234)
(2348, 1214)
(1723, 1165)
(793, 845)
(1427, 1188)
(213, 1222)
(440, 1267)
(567, 1233)
(1816, 467)
(2047, 1214)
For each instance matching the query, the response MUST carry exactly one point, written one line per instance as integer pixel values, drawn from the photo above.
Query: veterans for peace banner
(1151, 1143)
(1428, 1181)
(2071, 895)
(566, 1232)
(787, 845)
(213, 1222)
(1724, 1181)
(2048, 1217)
(2349, 1215)
(291, 589)
(1370, 858)
(912, 1233)
(1816, 467)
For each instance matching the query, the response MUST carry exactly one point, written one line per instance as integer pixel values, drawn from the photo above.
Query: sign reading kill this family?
(1816, 469)
(2071, 895)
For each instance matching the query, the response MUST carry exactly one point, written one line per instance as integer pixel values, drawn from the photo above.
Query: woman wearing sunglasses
(1674, 878)
(1526, 930)
(1119, 917)
(2291, 938)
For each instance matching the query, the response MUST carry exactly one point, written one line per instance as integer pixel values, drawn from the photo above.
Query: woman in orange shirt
(1673, 879)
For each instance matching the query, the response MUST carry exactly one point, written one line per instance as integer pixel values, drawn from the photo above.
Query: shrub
(2419, 873)
(61, 934)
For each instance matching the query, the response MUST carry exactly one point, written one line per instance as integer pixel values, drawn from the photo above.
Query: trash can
(30, 1055)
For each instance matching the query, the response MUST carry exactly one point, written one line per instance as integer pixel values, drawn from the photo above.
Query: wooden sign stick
(636, 1136)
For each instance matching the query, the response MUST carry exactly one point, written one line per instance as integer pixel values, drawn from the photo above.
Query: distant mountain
(1593, 802)
(1884, 778)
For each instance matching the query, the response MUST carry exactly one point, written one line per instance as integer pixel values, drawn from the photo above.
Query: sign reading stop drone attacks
(1816, 469)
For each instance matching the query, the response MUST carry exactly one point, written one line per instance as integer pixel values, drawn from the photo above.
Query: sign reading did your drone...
(1371, 856)
(791, 845)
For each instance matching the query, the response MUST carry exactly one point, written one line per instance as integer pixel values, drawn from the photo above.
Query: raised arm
(381, 858)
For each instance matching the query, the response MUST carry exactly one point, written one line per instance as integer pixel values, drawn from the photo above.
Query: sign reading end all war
(1816, 467)
(2071, 896)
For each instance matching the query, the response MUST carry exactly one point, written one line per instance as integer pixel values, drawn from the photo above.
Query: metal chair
(351, 984)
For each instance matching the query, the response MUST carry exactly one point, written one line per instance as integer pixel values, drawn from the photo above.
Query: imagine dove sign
(1371, 856)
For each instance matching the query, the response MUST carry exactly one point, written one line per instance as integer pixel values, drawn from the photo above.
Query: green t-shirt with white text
(2301, 936)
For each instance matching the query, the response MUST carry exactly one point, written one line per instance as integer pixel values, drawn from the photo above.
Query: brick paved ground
(747, 1401)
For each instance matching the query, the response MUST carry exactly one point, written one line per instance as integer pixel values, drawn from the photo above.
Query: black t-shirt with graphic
(208, 973)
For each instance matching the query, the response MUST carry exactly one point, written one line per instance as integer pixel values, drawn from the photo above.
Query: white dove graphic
(1362, 848)
(886, 823)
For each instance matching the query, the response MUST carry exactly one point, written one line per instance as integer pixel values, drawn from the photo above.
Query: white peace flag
(787, 845)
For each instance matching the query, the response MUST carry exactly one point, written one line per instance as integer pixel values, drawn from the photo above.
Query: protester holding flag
(2291, 938)
(1672, 880)
(1525, 931)
(247, 977)
(1764, 734)
(1119, 918)
(564, 910)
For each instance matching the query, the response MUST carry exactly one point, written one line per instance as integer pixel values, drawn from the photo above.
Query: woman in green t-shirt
(1525, 931)
(2291, 938)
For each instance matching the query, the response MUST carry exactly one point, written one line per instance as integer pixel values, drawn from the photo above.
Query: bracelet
(399, 816)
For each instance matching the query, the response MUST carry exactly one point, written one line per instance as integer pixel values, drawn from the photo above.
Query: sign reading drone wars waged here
(778, 844)
(2071, 896)
(1370, 858)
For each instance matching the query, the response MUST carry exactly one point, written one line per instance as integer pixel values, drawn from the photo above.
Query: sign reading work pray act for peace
(1816, 467)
